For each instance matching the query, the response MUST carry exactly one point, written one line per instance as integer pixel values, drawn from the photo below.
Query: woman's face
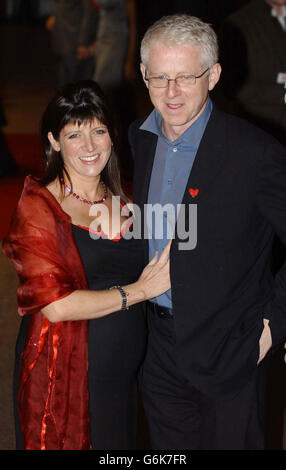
(85, 148)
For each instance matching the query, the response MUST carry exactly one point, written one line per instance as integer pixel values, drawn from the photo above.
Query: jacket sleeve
(272, 203)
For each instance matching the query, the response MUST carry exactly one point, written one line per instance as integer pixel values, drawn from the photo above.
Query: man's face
(179, 106)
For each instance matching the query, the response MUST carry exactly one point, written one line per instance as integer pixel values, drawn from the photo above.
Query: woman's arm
(86, 304)
(42, 249)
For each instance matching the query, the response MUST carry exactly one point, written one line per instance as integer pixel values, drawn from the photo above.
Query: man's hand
(265, 341)
(50, 23)
(85, 52)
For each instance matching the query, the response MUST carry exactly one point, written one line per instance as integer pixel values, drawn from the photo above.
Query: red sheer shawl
(53, 391)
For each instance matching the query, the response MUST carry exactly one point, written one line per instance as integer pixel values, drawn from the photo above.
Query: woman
(68, 276)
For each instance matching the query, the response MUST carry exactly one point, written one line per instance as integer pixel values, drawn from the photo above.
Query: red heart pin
(193, 192)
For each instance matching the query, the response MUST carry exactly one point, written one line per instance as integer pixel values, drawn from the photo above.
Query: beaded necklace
(86, 201)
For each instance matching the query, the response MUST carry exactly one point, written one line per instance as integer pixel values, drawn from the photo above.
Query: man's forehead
(171, 54)
(167, 44)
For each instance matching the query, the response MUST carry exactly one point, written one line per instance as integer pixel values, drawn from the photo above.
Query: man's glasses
(182, 80)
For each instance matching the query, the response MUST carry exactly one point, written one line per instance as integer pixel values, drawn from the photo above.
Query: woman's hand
(155, 277)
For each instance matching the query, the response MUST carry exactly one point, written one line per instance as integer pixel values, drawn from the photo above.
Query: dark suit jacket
(223, 288)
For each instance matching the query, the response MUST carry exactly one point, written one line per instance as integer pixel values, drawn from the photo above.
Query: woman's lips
(90, 160)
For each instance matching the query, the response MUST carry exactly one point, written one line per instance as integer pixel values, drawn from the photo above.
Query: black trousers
(182, 417)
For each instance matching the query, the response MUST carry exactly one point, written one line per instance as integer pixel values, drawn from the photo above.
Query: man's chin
(179, 123)
(176, 122)
(173, 129)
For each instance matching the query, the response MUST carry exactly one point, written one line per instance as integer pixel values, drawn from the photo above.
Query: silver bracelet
(123, 295)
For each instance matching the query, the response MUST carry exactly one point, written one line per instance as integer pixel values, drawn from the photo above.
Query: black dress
(116, 343)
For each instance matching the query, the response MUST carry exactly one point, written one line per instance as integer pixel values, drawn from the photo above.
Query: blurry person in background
(73, 26)
(253, 56)
(115, 50)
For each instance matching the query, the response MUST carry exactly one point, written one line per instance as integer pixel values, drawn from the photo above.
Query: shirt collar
(191, 136)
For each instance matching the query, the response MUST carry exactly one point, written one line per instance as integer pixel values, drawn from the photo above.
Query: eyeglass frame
(175, 79)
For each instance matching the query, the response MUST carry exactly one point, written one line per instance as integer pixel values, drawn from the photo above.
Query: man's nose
(173, 89)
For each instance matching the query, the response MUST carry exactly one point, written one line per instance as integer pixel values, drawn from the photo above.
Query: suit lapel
(208, 161)
(144, 149)
(207, 165)
(146, 154)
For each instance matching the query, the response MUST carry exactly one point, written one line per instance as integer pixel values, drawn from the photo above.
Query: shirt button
(169, 181)
(175, 149)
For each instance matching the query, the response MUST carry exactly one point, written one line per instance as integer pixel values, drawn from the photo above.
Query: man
(253, 55)
(73, 27)
(115, 44)
(203, 378)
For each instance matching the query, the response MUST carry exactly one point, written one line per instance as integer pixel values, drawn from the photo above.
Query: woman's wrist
(124, 296)
(135, 293)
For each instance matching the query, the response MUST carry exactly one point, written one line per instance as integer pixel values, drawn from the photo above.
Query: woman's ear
(54, 143)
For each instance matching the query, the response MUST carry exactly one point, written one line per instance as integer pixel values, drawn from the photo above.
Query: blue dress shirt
(171, 169)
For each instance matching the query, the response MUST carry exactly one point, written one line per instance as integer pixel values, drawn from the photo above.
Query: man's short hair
(182, 29)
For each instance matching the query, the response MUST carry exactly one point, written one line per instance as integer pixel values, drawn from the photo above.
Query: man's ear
(214, 75)
(54, 143)
(143, 72)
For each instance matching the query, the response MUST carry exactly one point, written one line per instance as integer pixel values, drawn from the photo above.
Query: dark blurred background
(253, 54)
